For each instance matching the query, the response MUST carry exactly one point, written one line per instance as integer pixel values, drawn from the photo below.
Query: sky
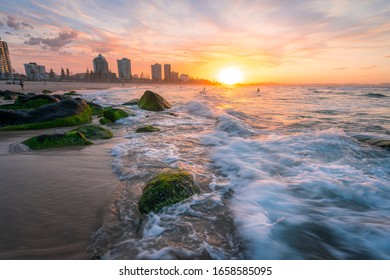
(284, 41)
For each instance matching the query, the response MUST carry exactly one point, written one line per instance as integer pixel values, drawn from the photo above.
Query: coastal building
(5, 60)
(124, 69)
(156, 72)
(167, 72)
(174, 77)
(100, 66)
(35, 71)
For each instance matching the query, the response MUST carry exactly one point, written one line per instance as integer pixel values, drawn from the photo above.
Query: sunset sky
(291, 41)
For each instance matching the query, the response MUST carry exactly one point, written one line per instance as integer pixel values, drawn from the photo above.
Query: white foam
(277, 179)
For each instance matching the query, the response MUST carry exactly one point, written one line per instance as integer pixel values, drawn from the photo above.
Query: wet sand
(51, 201)
(37, 87)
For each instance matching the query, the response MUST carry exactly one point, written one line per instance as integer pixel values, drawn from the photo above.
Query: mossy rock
(47, 141)
(152, 101)
(8, 97)
(46, 91)
(148, 128)
(132, 102)
(72, 93)
(105, 121)
(114, 114)
(165, 189)
(35, 101)
(97, 110)
(94, 132)
(52, 115)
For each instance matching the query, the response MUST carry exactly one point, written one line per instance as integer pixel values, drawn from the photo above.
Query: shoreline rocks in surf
(152, 101)
(167, 188)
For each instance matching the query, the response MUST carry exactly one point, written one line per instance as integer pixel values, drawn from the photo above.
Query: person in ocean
(21, 84)
(258, 90)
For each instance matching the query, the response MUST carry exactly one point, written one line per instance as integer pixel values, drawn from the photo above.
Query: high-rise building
(174, 76)
(124, 69)
(167, 72)
(35, 71)
(156, 72)
(5, 60)
(100, 66)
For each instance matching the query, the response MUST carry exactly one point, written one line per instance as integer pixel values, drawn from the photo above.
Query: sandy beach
(62, 191)
(38, 86)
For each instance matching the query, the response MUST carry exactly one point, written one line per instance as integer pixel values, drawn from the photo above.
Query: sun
(230, 76)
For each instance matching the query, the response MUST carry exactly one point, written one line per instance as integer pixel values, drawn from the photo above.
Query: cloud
(369, 67)
(388, 56)
(340, 68)
(55, 43)
(12, 23)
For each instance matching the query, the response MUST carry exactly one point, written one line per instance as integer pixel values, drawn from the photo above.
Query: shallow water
(282, 172)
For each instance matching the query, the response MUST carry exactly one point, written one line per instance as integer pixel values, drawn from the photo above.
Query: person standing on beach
(21, 84)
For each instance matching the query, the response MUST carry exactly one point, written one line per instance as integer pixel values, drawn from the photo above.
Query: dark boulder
(36, 100)
(64, 113)
(152, 101)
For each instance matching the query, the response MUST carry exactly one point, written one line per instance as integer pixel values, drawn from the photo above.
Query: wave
(293, 192)
(375, 95)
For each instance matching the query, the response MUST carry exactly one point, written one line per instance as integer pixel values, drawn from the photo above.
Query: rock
(151, 101)
(35, 101)
(148, 128)
(165, 189)
(64, 113)
(96, 108)
(72, 93)
(61, 96)
(381, 143)
(47, 141)
(105, 121)
(94, 132)
(9, 95)
(114, 114)
(132, 102)
(46, 91)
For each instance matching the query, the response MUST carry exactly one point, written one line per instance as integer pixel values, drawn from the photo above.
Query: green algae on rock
(152, 101)
(94, 132)
(65, 113)
(114, 114)
(47, 141)
(165, 189)
(148, 128)
(105, 121)
(46, 91)
(134, 101)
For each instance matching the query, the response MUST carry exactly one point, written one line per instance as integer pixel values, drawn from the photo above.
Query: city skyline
(276, 41)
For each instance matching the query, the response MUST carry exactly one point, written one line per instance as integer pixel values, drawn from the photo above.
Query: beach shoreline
(52, 201)
(39, 86)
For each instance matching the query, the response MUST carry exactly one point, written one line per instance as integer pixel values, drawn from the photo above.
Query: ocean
(284, 174)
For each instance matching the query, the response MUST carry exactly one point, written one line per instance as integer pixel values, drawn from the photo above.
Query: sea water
(283, 174)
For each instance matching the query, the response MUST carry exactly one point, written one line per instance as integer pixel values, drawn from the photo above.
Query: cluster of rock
(32, 111)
